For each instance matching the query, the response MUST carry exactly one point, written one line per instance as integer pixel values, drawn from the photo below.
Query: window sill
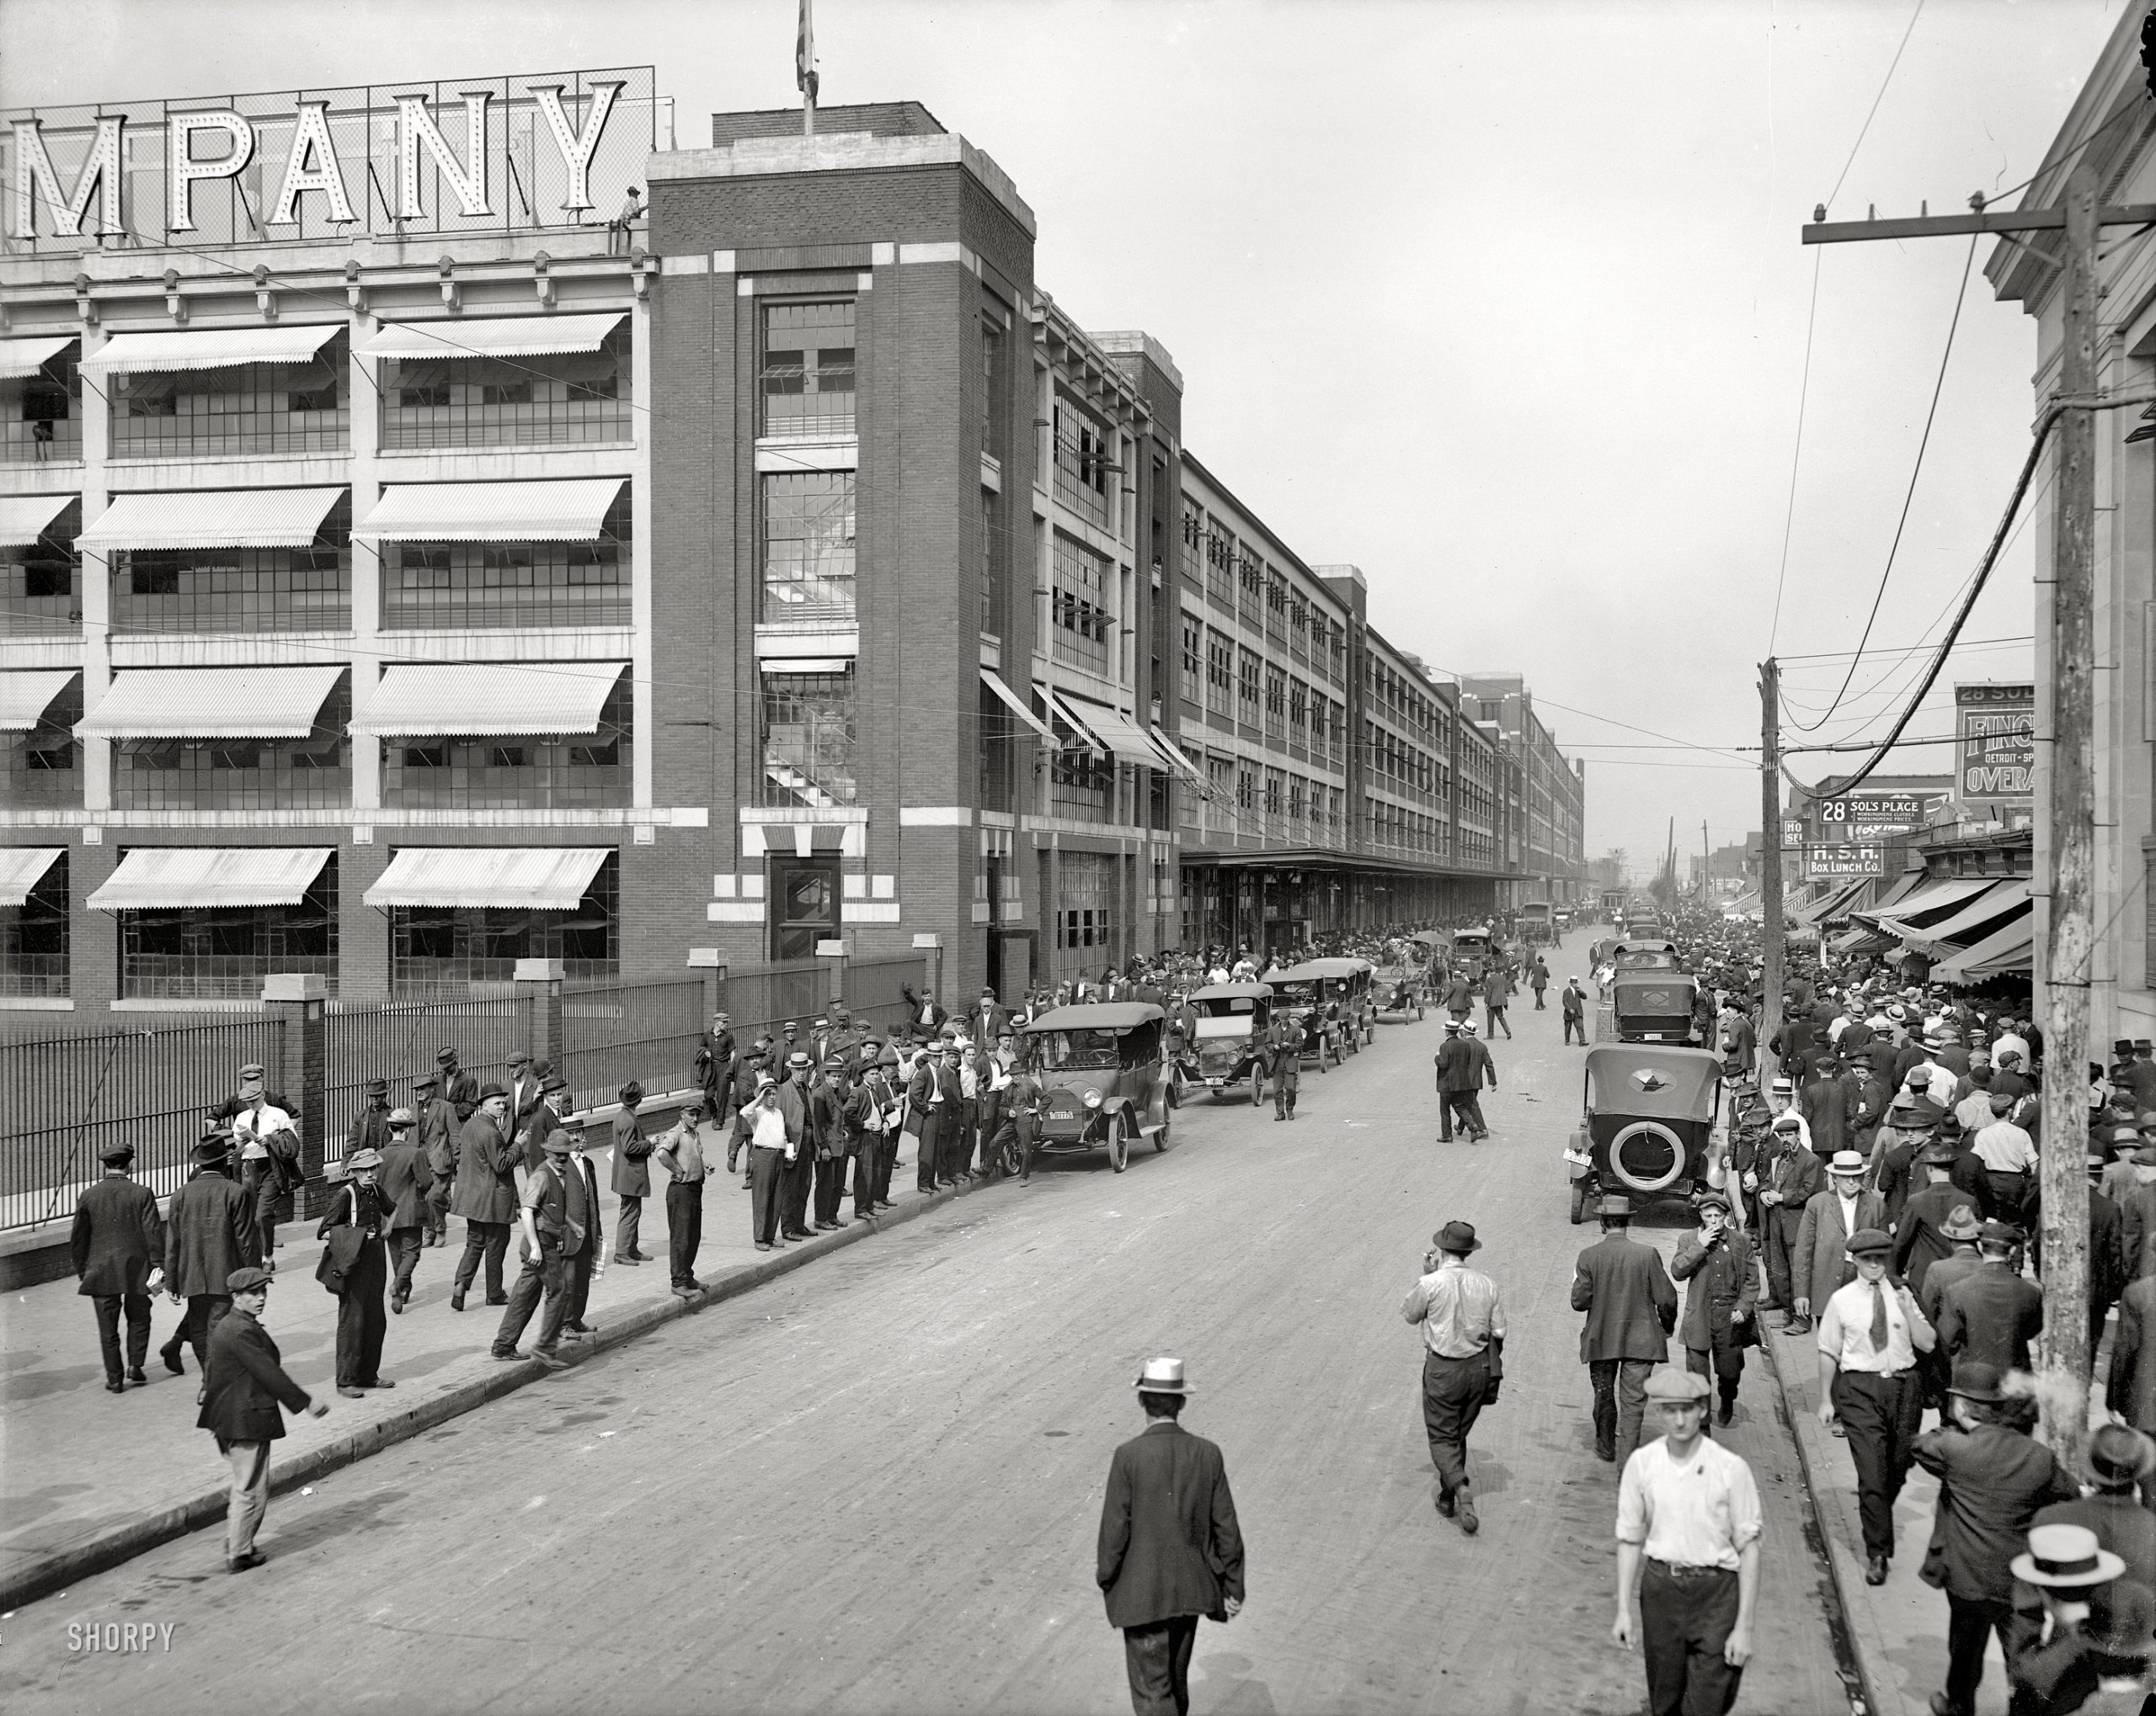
(36, 1004)
(176, 1004)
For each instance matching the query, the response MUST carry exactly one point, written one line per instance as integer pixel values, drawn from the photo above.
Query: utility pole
(1707, 864)
(2070, 807)
(1771, 933)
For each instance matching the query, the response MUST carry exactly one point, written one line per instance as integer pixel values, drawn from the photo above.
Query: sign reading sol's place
(1995, 727)
(475, 155)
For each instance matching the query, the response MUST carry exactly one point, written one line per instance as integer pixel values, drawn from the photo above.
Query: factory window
(808, 547)
(809, 373)
(809, 740)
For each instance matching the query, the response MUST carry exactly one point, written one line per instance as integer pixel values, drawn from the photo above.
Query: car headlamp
(1093, 1099)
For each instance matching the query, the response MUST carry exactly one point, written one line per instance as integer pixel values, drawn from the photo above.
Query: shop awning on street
(2009, 949)
(1177, 760)
(25, 696)
(1085, 734)
(1115, 731)
(1938, 897)
(535, 878)
(1018, 705)
(21, 358)
(1862, 939)
(1828, 904)
(568, 511)
(534, 336)
(434, 699)
(166, 878)
(24, 518)
(212, 517)
(211, 703)
(1977, 921)
(1901, 889)
(209, 349)
(22, 868)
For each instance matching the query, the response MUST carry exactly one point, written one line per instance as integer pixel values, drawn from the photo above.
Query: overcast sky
(1502, 301)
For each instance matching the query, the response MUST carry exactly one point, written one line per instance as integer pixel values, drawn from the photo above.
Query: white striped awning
(211, 703)
(533, 336)
(489, 697)
(25, 357)
(167, 878)
(1018, 705)
(209, 349)
(1977, 921)
(1119, 732)
(570, 511)
(22, 868)
(212, 517)
(1061, 705)
(537, 878)
(1177, 760)
(24, 518)
(2011, 948)
(25, 696)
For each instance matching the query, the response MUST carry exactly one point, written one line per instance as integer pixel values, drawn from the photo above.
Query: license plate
(1216, 1083)
(1651, 1037)
(1579, 1158)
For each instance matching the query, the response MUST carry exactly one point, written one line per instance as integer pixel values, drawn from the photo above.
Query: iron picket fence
(764, 998)
(400, 1043)
(615, 1032)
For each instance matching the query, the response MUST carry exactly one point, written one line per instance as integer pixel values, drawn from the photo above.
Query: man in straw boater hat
(2089, 1632)
(1169, 1548)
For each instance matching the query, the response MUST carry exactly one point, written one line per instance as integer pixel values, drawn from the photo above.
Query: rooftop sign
(474, 156)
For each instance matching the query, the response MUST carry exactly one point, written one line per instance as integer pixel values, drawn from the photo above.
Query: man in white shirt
(1869, 1339)
(1463, 1328)
(2008, 1153)
(256, 1121)
(1687, 1508)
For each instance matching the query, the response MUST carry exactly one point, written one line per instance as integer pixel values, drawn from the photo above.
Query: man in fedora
(2120, 1461)
(1688, 1538)
(118, 1248)
(1169, 1548)
(1631, 1306)
(244, 1386)
(1870, 1335)
(209, 1233)
(1991, 1480)
(1819, 1261)
(1463, 1325)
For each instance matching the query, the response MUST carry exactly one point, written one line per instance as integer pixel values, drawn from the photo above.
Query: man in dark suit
(2106, 1254)
(1819, 1260)
(2130, 1390)
(1284, 1062)
(486, 1196)
(932, 1111)
(1991, 1313)
(1920, 1237)
(1169, 1548)
(1790, 1178)
(459, 1089)
(1631, 1306)
(209, 1233)
(244, 1385)
(118, 1243)
(404, 1180)
(437, 1140)
(1718, 1305)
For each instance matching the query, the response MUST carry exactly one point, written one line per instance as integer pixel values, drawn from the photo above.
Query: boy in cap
(1463, 1328)
(1688, 1538)
(243, 1385)
(118, 1247)
(1718, 1303)
(681, 1155)
(1869, 1387)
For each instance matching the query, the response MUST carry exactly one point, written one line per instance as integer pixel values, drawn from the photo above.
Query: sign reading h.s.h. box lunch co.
(474, 155)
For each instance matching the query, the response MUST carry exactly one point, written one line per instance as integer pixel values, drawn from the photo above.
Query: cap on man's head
(557, 1143)
(1962, 1225)
(1870, 1242)
(116, 1155)
(1451, 1027)
(246, 1281)
(2119, 1455)
(1614, 1206)
(1998, 1233)
(401, 1117)
(1975, 1379)
(1713, 1201)
(1676, 1383)
(445, 1057)
(1783, 1084)
(799, 1057)
(491, 1090)
(253, 1069)
(570, 1122)
(551, 1083)
(1467, 1027)
(1456, 1236)
(1788, 1124)
(695, 1106)
(213, 1148)
(1163, 1376)
(360, 1159)
(631, 1092)
(377, 1087)
(429, 1083)
(2001, 1101)
(790, 1027)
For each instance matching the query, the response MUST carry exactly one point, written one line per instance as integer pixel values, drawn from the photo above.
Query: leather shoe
(1941, 1705)
(240, 1564)
(170, 1355)
(497, 1299)
(1445, 1503)
(353, 1393)
(1725, 1412)
(1470, 1522)
(552, 1360)
(508, 1357)
(627, 1257)
(684, 1292)
(379, 1382)
(1797, 1325)
(457, 1300)
(1606, 1452)
(134, 1374)
(396, 1305)
(763, 1244)
(1874, 1569)
(115, 1387)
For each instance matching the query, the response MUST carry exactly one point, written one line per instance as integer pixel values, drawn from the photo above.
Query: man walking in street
(1284, 1062)
(1631, 1306)
(486, 1194)
(1496, 995)
(1688, 1539)
(680, 1156)
(244, 1386)
(1169, 1548)
(118, 1248)
(630, 1173)
(1869, 1339)
(1471, 1064)
(209, 1233)
(1463, 1326)
(1573, 1001)
(1538, 980)
(1792, 1176)
(1819, 1260)
(1717, 1324)
(1992, 1313)
(406, 1182)
(561, 1233)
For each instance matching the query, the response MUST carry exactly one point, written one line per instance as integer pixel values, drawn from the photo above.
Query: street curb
(109, 1548)
(1883, 1691)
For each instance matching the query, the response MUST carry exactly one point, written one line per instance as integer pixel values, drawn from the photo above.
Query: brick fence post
(298, 1001)
(539, 985)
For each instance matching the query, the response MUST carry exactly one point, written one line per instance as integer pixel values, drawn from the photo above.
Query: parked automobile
(1398, 990)
(1654, 953)
(1655, 1006)
(1230, 1044)
(1104, 1079)
(1647, 1125)
(1300, 993)
(1345, 986)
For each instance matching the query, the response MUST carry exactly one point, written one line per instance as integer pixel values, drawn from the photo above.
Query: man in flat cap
(406, 1182)
(356, 1267)
(244, 1385)
(486, 1194)
(1688, 1542)
(630, 1173)
(561, 1229)
(437, 1140)
(1719, 1303)
(1463, 1328)
(459, 1088)
(118, 1246)
(1992, 1313)
(1170, 1549)
(1631, 1306)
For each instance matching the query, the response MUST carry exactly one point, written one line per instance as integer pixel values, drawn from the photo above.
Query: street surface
(873, 1485)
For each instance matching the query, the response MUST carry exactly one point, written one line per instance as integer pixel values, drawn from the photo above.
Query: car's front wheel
(1118, 1144)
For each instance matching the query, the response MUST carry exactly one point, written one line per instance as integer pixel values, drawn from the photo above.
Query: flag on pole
(804, 51)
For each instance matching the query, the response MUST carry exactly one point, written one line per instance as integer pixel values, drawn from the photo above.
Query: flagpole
(805, 67)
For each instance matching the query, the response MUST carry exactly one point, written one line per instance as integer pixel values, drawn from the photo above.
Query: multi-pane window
(1245, 786)
(1276, 788)
(992, 384)
(807, 374)
(1298, 714)
(1220, 672)
(447, 949)
(1086, 914)
(1297, 807)
(245, 409)
(40, 582)
(1191, 556)
(1192, 683)
(41, 415)
(239, 589)
(515, 771)
(240, 774)
(1276, 703)
(430, 586)
(43, 765)
(1078, 607)
(1081, 785)
(224, 952)
(809, 740)
(1248, 681)
(465, 400)
(1083, 453)
(1219, 566)
(808, 547)
(34, 937)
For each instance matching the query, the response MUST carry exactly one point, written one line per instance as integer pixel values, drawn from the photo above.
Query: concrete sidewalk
(89, 1478)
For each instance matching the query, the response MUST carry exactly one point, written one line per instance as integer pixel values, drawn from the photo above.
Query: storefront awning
(570, 511)
(25, 696)
(24, 518)
(489, 697)
(1936, 898)
(534, 336)
(1176, 759)
(1977, 921)
(211, 703)
(1119, 732)
(19, 358)
(209, 349)
(213, 517)
(1830, 904)
(1906, 884)
(167, 878)
(1018, 705)
(2005, 950)
(537, 878)
(1061, 706)
(22, 868)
